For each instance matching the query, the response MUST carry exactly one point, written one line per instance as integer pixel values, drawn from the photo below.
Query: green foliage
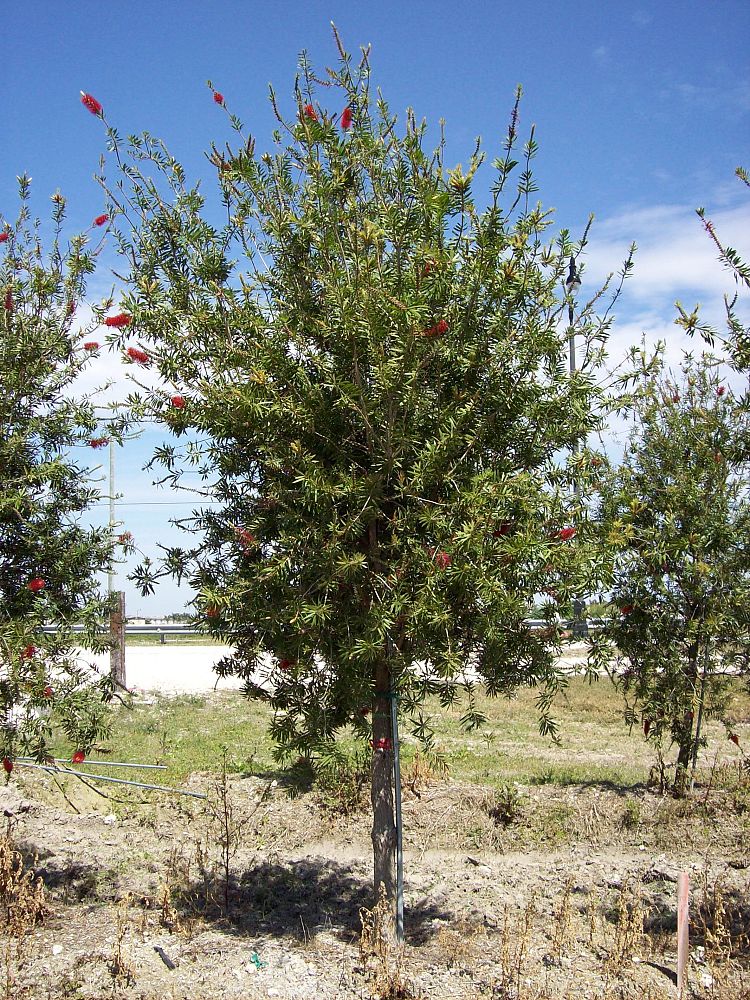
(736, 339)
(677, 518)
(376, 372)
(505, 805)
(341, 779)
(48, 562)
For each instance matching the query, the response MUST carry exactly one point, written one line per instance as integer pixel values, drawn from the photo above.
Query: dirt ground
(535, 892)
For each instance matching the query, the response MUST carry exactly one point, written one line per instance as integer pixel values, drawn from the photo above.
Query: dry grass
(23, 906)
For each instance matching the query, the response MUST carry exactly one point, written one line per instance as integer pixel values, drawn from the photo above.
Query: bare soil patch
(536, 891)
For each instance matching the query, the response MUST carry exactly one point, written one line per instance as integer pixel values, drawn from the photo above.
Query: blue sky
(641, 113)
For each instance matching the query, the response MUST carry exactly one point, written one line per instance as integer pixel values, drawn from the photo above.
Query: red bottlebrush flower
(48, 692)
(218, 98)
(100, 220)
(310, 113)
(28, 652)
(212, 611)
(120, 320)
(286, 664)
(346, 119)
(136, 354)
(734, 738)
(78, 757)
(71, 308)
(382, 744)
(505, 529)
(36, 584)
(676, 398)
(4, 236)
(565, 534)
(7, 764)
(626, 609)
(178, 402)
(646, 727)
(442, 560)
(427, 268)
(91, 103)
(245, 538)
(721, 390)
(433, 331)
(99, 442)
(124, 538)
(91, 345)
(8, 301)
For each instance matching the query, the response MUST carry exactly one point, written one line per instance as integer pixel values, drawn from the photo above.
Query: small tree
(382, 400)
(677, 516)
(48, 562)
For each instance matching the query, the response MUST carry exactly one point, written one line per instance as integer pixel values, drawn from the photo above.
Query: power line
(158, 503)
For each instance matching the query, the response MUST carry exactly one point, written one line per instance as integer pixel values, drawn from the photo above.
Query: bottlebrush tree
(676, 514)
(374, 374)
(48, 561)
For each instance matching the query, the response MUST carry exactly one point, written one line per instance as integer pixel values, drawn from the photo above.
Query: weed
(457, 943)
(722, 923)
(515, 941)
(169, 916)
(628, 931)
(422, 770)
(22, 906)
(21, 893)
(341, 779)
(222, 818)
(505, 805)
(377, 950)
(631, 815)
(562, 927)
(119, 968)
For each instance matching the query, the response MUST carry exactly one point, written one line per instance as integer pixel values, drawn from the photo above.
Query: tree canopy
(48, 561)
(373, 371)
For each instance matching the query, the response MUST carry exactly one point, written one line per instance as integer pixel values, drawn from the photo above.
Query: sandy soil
(540, 907)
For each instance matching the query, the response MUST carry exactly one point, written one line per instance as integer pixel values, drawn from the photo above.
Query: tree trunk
(383, 821)
(681, 778)
(685, 736)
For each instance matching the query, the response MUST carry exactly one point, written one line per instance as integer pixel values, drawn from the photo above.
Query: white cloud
(675, 257)
(108, 377)
(727, 95)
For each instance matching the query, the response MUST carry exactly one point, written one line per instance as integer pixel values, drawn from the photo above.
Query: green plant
(505, 806)
(676, 516)
(341, 779)
(377, 370)
(48, 561)
(631, 814)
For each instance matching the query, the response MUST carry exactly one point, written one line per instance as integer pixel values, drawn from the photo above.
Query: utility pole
(580, 628)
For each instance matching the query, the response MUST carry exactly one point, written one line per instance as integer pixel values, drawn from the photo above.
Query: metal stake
(399, 825)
